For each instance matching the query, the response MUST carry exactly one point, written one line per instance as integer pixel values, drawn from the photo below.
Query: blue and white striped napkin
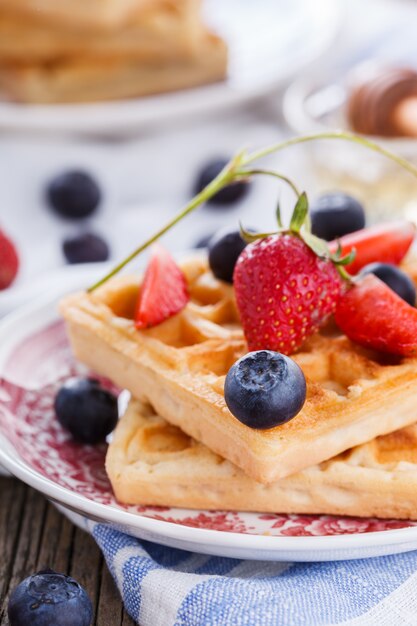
(167, 587)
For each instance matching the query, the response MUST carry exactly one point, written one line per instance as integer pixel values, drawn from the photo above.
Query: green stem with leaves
(235, 170)
(244, 174)
(225, 177)
(344, 135)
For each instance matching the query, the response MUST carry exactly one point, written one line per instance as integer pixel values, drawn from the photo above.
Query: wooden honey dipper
(383, 101)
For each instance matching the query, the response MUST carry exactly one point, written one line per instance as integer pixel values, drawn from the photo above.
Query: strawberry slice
(164, 290)
(372, 315)
(386, 243)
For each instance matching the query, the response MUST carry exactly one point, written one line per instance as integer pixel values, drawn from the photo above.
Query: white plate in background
(269, 42)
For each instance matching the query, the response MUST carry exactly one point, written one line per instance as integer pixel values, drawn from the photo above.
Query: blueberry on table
(229, 194)
(87, 410)
(85, 248)
(264, 389)
(396, 279)
(49, 599)
(74, 194)
(223, 251)
(336, 214)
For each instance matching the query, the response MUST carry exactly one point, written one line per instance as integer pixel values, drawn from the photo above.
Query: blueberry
(85, 248)
(87, 410)
(49, 599)
(265, 389)
(228, 195)
(73, 194)
(223, 252)
(395, 278)
(336, 214)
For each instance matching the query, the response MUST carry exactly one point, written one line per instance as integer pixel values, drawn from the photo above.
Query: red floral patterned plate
(35, 354)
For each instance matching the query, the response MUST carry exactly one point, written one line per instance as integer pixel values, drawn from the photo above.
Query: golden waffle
(87, 14)
(152, 462)
(162, 31)
(353, 395)
(85, 79)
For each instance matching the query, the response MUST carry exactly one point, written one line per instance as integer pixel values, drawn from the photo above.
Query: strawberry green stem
(339, 134)
(273, 173)
(235, 170)
(344, 274)
(224, 178)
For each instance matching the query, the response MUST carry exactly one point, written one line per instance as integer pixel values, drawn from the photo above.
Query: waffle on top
(151, 462)
(353, 395)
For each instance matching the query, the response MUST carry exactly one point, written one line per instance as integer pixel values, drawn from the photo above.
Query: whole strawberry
(286, 286)
(9, 261)
(284, 292)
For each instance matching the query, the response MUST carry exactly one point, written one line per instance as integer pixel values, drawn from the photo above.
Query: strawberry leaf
(278, 215)
(307, 224)
(250, 237)
(300, 213)
(345, 260)
(317, 245)
(338, 254)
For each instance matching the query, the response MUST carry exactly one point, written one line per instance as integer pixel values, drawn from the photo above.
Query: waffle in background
(77, 14)
(166, 30)
(158, 46)
(353, 395)
(151, 462)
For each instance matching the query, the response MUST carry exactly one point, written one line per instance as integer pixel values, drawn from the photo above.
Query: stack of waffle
(352, 450)
(92, 50)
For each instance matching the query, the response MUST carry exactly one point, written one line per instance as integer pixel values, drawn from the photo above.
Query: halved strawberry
(386, 243)
(164, 290)
(372, 315)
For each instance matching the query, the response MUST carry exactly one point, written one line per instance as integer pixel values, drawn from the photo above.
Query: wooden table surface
(35, 536)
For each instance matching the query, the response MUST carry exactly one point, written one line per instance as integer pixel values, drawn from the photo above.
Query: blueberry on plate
(49, 599)
(396, 279)
(223, 251)
(74, 194)
(229, 194)
(85, 248)
(87, 410)
(336, 214)
(264, 389)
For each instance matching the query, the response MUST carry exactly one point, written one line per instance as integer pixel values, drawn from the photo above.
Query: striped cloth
(167, 587)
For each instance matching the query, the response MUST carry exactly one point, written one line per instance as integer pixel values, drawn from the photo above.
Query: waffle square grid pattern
(180, 367)
(151, 462)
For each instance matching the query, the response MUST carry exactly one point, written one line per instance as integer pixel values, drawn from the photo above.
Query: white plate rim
(198, 537)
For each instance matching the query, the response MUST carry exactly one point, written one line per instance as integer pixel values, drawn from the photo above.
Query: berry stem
(338, 134)
(233, 170)
(285, 179)
(344, 274)
(224, 178)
